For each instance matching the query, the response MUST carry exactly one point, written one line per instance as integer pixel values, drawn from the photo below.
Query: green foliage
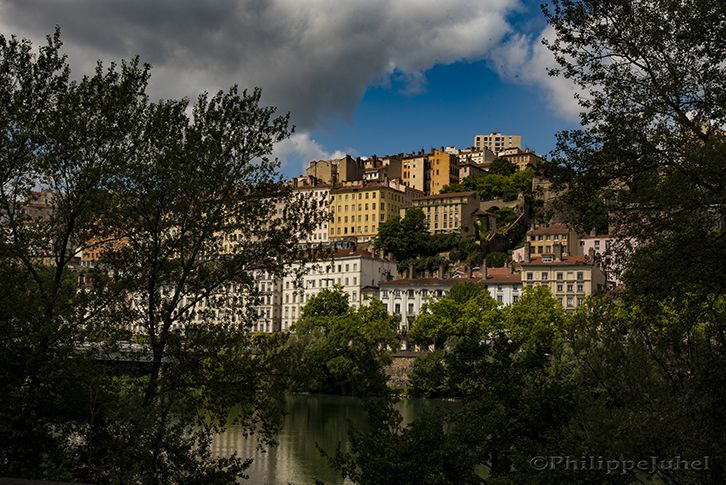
(496, 259)
(652, 145)
(164, 185)
(502, 166)
(457, 314)
(341, 350)
(494, 185)
(405, 237)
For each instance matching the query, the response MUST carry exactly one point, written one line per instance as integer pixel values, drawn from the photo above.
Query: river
(309, 419)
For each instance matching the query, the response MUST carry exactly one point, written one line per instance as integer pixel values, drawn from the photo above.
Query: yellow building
(570, 279)
(444, 171)
(449, 213)
(357, 210)
(497, 142)
(430, 172)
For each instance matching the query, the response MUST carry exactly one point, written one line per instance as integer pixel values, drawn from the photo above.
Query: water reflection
(310, 419)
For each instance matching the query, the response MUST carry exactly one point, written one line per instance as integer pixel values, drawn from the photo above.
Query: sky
(360, 77)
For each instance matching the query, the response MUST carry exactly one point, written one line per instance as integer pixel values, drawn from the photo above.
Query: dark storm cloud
(314, 58)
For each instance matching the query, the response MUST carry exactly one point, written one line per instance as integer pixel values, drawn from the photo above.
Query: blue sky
(358, 76)
(459, 101)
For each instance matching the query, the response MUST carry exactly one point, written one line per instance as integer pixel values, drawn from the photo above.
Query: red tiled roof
(502, 275)
(430, 281)
(550, 229)
(566, 261)
(451, 194)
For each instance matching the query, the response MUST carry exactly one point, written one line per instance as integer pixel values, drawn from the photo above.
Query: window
(544, 276)
(580, 275)
(560, 287)
(580, 287)
(515, 298)
(530, 276)
(410, 308)
(500, 299)
(560, 276)
(410, 293)
(397, 309)
(384, 293)
(570, 301)
(397, 293)
(569, 287)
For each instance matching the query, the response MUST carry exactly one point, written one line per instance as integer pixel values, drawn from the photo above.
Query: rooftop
(502, 275)
(430, 281)
(565, 261)
(550, 229)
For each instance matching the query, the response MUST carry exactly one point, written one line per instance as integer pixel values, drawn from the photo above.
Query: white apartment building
(319, 194)
(504, 285)
(404, 298)
(357, 272)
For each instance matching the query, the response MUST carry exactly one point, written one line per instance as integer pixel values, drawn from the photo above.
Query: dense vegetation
(629, 376)
(496, 184)
(151, 186)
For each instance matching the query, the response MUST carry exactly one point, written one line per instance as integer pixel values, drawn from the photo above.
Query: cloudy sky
(358, 76)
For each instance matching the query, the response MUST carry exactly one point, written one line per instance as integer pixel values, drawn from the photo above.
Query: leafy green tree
(405, 238)
(337, 349)
(502, 166)
(494, 185)
(653, 144)
(460, 313)
(154, 190)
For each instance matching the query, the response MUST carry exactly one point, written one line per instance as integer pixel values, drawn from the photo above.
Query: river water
(309, 419)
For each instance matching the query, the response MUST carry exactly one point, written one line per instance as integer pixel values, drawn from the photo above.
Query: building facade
(357, 210)
(356, 271)
(449, 213)
(521, 158)
(496, 142)
(552, 239)
(444, 170)
(570, 279)
(503, 284)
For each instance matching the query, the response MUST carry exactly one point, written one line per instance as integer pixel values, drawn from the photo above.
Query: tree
(461, 313)
(337, 349)
(405, 238)
(654, 107)
(155, 191)
(502, 166)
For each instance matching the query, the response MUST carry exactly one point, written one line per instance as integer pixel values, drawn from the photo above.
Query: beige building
(382, 169)
(449, 213)
(521, 158)
(552, 239)
(356, 210)
(570, 279)
(481, 156)
(317, 194)
(469, 170)
(496, 142)
(416, 172)
(332, 172)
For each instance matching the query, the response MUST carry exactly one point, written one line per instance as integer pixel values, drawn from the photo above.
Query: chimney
(527, 249)
(413, 271)
(591, 255)
(557, 251)
(484, 269)
(440, 272)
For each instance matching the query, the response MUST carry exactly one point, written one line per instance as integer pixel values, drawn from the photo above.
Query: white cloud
(523, 59)
(314, 58)
(300, 149)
